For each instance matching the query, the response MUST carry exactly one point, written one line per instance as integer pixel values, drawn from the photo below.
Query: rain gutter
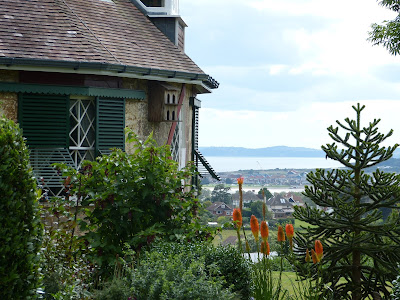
(201, 79)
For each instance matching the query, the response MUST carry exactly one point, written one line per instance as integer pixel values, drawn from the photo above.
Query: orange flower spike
(290, 233)
(308, 258)
(289, 230)
(268, 249)
(314, 256)
(263, 248)
(237, 218)
(254, 227)
(240, 180)
(281, 234)
(264, 231)
(319, 250)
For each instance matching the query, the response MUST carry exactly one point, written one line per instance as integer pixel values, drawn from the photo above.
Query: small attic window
(153, 3)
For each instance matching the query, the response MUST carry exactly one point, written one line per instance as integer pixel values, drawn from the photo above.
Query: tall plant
(361, 250)
(20, 227)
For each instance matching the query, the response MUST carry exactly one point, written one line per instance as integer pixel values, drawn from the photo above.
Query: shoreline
(256, 188)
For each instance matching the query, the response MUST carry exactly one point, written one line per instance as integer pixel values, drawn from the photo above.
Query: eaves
(204, 82)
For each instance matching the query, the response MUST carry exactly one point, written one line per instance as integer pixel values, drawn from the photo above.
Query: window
(153, 3)
(69, 129)
(82, 134)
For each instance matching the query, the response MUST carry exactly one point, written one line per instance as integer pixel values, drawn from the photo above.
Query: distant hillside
(277, 151)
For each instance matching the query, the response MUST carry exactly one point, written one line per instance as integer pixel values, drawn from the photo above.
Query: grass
(226, 233)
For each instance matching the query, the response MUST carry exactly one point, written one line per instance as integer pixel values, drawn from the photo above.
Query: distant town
(277, 177)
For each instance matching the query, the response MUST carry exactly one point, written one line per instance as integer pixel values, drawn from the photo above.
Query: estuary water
(227, 164)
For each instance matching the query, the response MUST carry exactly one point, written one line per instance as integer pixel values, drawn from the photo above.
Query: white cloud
(291, 80)
(303, 127)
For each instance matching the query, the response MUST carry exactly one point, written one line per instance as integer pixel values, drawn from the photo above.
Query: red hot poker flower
(290, 233)
(264, 231)
(240, 180)
(263, 248)
(289, 230)
(237, 218)
(319, 250)
(308, 258)
(281, 234)
(254, 227)
(314, 256)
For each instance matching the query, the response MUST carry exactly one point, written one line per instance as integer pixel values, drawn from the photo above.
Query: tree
(256, 208)
(358, 246)
(267, 193)
(20, 226)
(228, 181)
(388, 34)
(221, 194)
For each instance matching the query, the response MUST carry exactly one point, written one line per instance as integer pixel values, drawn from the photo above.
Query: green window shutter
(44, 120)
(110, 124)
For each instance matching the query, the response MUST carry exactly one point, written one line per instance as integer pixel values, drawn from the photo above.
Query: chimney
(165, 15)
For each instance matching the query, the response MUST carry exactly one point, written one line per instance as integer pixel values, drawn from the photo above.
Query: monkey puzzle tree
(359, 247)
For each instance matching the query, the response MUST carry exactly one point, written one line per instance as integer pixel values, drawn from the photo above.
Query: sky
(289, 69)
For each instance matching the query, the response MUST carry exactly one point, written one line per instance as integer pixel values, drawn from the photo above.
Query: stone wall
(136, 117)
(9, 101)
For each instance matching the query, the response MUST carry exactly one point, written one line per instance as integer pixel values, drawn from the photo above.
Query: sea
(229, 164)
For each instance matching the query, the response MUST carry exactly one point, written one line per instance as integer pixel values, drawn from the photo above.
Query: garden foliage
(133, 198)
(361, 251)
(67, 272)
(191, 271)
(20, 227)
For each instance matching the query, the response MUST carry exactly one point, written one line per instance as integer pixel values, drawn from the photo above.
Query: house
(282, 206)
(75, 73)
(220, 209)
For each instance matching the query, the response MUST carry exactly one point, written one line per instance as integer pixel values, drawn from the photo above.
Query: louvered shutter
(110, 124)
(44, 120)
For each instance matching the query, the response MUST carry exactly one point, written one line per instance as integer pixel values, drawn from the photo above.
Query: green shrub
(20, 227)
(133, 198)
(234, 271)
(67, 273)
(233, 267)
(115, 290)
(177, 276)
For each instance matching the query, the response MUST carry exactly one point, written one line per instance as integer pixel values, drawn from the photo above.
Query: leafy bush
(115, 290)
(133, 198)
(234, 271)
(20, 227)
(233, 267)
(184, 275)
(396, 289)
(67, 273)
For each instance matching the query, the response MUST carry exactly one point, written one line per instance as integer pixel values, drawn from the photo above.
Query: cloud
(304, 127)
(287, 69)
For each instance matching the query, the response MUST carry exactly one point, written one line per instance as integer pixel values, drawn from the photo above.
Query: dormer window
(153, 3)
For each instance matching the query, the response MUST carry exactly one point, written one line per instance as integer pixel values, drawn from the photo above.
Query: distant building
(283, 206)
(220, 209)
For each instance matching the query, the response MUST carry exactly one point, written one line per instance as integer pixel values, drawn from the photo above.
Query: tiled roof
(217, 205)
(105, 31)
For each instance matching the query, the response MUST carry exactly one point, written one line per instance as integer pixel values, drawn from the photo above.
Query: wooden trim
(172, 130)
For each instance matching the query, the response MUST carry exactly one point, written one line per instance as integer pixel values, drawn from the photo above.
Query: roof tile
(87, 31)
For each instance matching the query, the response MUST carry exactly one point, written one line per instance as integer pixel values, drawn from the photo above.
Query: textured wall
(9, 101)
(136, 117)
